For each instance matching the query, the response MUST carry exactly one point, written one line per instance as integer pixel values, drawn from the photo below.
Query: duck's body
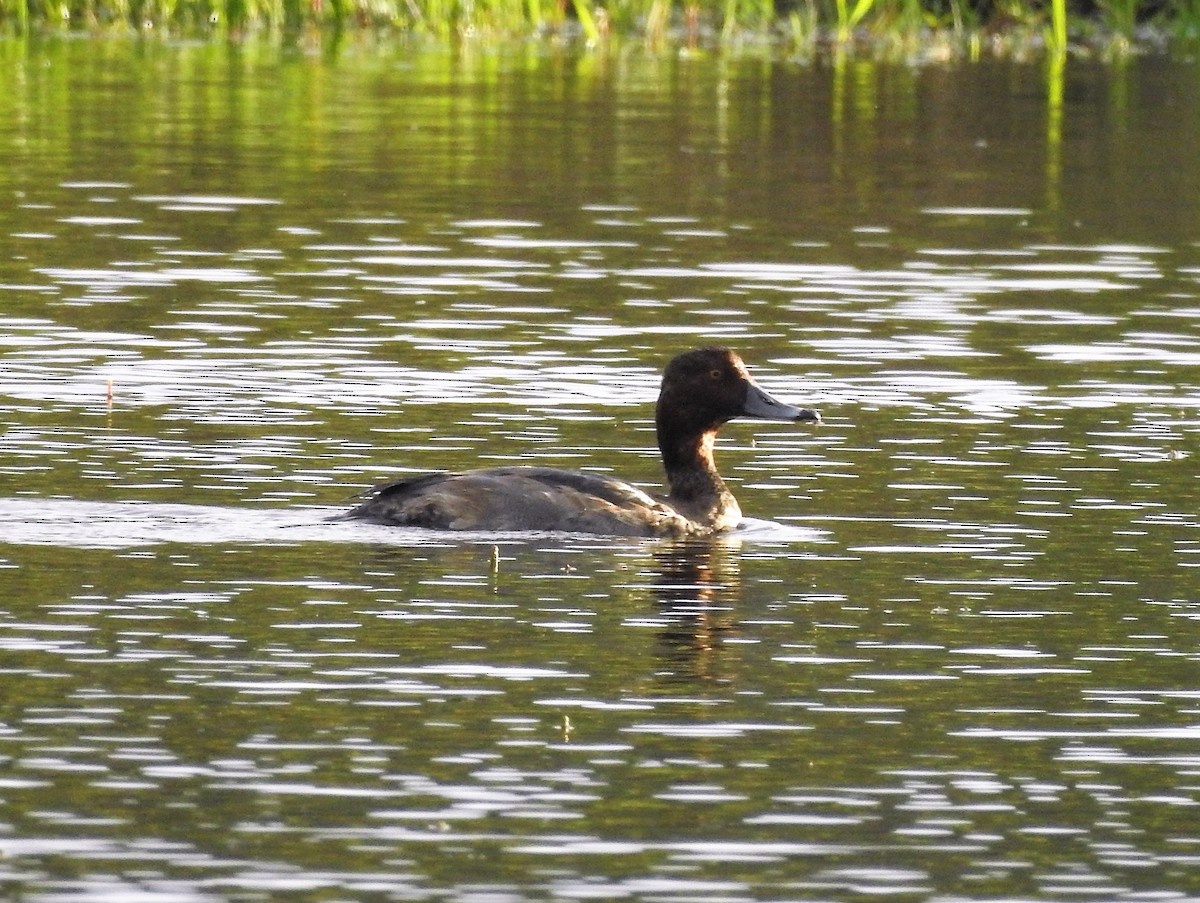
(504, 499)
(701, 391)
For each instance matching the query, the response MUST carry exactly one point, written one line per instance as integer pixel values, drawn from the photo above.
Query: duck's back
(504, 499)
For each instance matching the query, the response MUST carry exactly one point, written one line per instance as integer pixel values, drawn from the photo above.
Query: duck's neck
(696, 489)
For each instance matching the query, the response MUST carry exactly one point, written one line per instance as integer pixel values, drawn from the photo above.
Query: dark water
(955, 657)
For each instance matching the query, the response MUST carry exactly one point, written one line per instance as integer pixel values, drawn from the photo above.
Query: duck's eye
(714, 374)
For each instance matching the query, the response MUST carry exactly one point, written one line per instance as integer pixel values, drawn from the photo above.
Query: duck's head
(706, 388)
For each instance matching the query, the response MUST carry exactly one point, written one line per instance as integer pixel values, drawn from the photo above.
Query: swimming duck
(701, 391)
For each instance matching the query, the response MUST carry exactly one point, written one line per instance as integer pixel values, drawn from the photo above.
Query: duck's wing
(504, 499)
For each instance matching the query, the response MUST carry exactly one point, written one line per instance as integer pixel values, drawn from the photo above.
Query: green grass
(848, 16)
(966, 28)
(1056, 39)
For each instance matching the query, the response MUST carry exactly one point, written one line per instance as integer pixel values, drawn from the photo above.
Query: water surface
(953, 658)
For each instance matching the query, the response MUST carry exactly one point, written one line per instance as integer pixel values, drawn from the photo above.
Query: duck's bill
(759, 404)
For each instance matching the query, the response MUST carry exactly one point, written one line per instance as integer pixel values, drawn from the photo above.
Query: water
(953, 656)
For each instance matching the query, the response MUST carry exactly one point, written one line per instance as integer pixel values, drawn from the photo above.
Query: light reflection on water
(950, 657)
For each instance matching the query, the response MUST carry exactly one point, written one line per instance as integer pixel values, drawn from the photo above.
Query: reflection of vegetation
(1014, 25)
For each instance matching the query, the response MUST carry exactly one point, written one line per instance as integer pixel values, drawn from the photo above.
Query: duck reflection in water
(697, 586)
(701, 391)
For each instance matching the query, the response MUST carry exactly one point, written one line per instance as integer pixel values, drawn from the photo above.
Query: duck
(701, 391)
